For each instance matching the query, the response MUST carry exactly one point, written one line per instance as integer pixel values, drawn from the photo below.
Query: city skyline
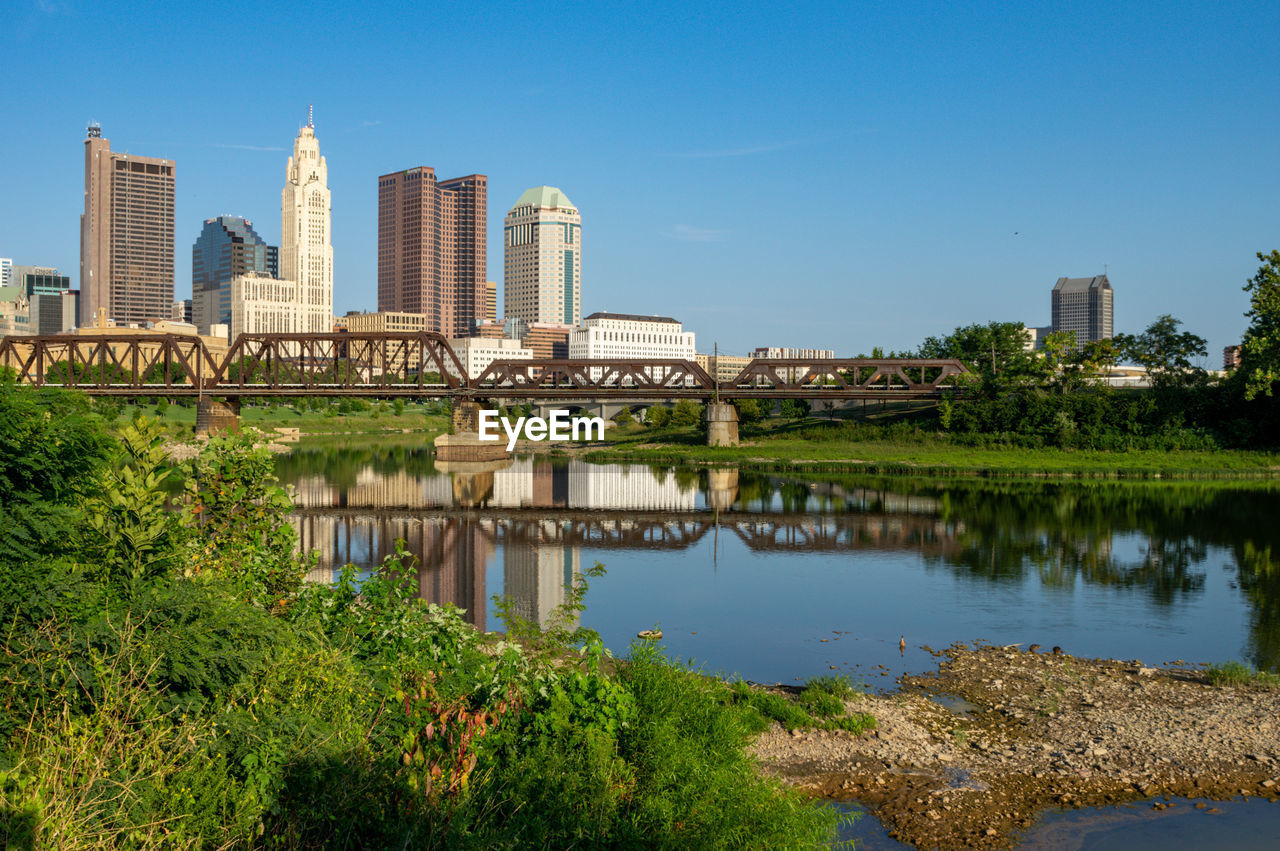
(958, 161)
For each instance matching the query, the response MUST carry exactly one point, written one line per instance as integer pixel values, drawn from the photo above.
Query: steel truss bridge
(423, 364)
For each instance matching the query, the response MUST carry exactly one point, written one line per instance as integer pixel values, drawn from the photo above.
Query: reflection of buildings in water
(536, 578)
(452, 552)
(524, 483)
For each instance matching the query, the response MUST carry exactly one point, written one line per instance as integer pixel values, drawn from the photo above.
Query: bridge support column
(465, 443)
(722, 424)
(215, 415)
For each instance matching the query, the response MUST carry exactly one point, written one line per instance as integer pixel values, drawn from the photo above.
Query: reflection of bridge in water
(541, 515)
(759, 531)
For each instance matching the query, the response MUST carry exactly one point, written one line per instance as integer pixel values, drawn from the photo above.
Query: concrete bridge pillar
(465, 443)
(722, 424)
(214, 415)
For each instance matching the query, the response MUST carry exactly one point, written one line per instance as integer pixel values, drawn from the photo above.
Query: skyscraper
(542, 258)
(306, 248)
(1083, 305)
(126, 234)
(432, 248)
(227, 246)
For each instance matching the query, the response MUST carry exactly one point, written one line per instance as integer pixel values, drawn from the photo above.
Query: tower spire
(310, 122)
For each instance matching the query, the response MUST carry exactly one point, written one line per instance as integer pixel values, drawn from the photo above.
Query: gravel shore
(1034, 731)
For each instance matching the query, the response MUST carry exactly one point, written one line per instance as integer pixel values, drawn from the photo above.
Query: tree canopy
(1260, 350)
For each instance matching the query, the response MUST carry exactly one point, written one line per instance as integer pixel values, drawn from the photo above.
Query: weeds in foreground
(821, 705)
(1240, 674)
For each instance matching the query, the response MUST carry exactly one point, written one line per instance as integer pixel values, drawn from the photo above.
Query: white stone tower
(542, 258)
(306, 250)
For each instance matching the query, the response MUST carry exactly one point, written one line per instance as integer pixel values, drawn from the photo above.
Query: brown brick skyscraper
(126, 235)
(431, 247)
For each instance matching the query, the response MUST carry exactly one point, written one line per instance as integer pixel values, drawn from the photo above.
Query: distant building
(1083, 305)
(431, 248)
(491, 329)
(547, 340)
(542, 258)
(1230, 358)
(386, 320)
(126, 234)
(306, 242)
(723, 367)
(54, 305)
(476, 353)
(261, 304)
(15, 313)
(490, 301)
(619, 336)
(182, 309)
(6, 267)
(227, 246)
(777, 353)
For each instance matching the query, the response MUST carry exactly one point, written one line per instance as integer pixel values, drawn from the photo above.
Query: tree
(794, 409)
(1057, 350)
(686, 413)
(624, 417)
(997, 349)
(1260, 350)
(749, 411)
(1164, 351)
(657, 416)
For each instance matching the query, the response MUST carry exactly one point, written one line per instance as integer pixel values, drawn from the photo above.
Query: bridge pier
(217, 415)
(465, 443)
(722, 424)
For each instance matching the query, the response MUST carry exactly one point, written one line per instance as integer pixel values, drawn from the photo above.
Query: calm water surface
(777, 579)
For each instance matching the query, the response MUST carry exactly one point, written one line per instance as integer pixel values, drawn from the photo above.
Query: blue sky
(830, 175)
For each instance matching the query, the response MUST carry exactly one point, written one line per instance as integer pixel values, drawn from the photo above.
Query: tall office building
(227, 246)
(126, 234)
(432, 248)
(1083, 305)
(542, 258)
(6, 269)
(306, 247)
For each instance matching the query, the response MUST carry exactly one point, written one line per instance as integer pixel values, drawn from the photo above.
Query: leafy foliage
(1260, 350)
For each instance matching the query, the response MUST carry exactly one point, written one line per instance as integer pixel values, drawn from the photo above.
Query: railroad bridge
(424, 365)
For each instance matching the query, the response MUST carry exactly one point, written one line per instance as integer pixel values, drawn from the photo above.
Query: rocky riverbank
(1031, 731)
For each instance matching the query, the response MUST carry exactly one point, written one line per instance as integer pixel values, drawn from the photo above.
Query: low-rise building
(547, 340)
(723, 367)
(778, 352)
(395, 321)
(261, 304)
(476, 353)
(15, 313)
(629, 336)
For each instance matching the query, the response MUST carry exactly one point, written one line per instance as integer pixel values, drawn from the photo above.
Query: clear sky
(838, 175)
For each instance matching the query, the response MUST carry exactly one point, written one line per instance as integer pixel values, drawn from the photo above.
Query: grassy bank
(814, 445)
(179, 421)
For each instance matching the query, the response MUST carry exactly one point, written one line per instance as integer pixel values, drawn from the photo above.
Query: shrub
(658, 416)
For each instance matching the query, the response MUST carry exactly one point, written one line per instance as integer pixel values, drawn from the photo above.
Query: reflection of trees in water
(341, 465)
(1258, 575)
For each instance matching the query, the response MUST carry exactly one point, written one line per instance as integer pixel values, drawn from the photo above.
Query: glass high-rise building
(227, 246)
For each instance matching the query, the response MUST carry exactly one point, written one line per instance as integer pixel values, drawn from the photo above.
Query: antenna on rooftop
(310, 117)
(95, 130)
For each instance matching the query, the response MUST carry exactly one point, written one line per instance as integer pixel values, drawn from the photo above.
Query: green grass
(179, 421)
(779, 447)
(819, 706)
(1240, 674)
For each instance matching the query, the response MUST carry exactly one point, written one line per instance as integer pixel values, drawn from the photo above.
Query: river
(778, 578)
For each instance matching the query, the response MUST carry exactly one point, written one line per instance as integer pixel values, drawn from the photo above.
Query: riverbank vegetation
(168, 680)
(311, 415)
(1045, 412)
